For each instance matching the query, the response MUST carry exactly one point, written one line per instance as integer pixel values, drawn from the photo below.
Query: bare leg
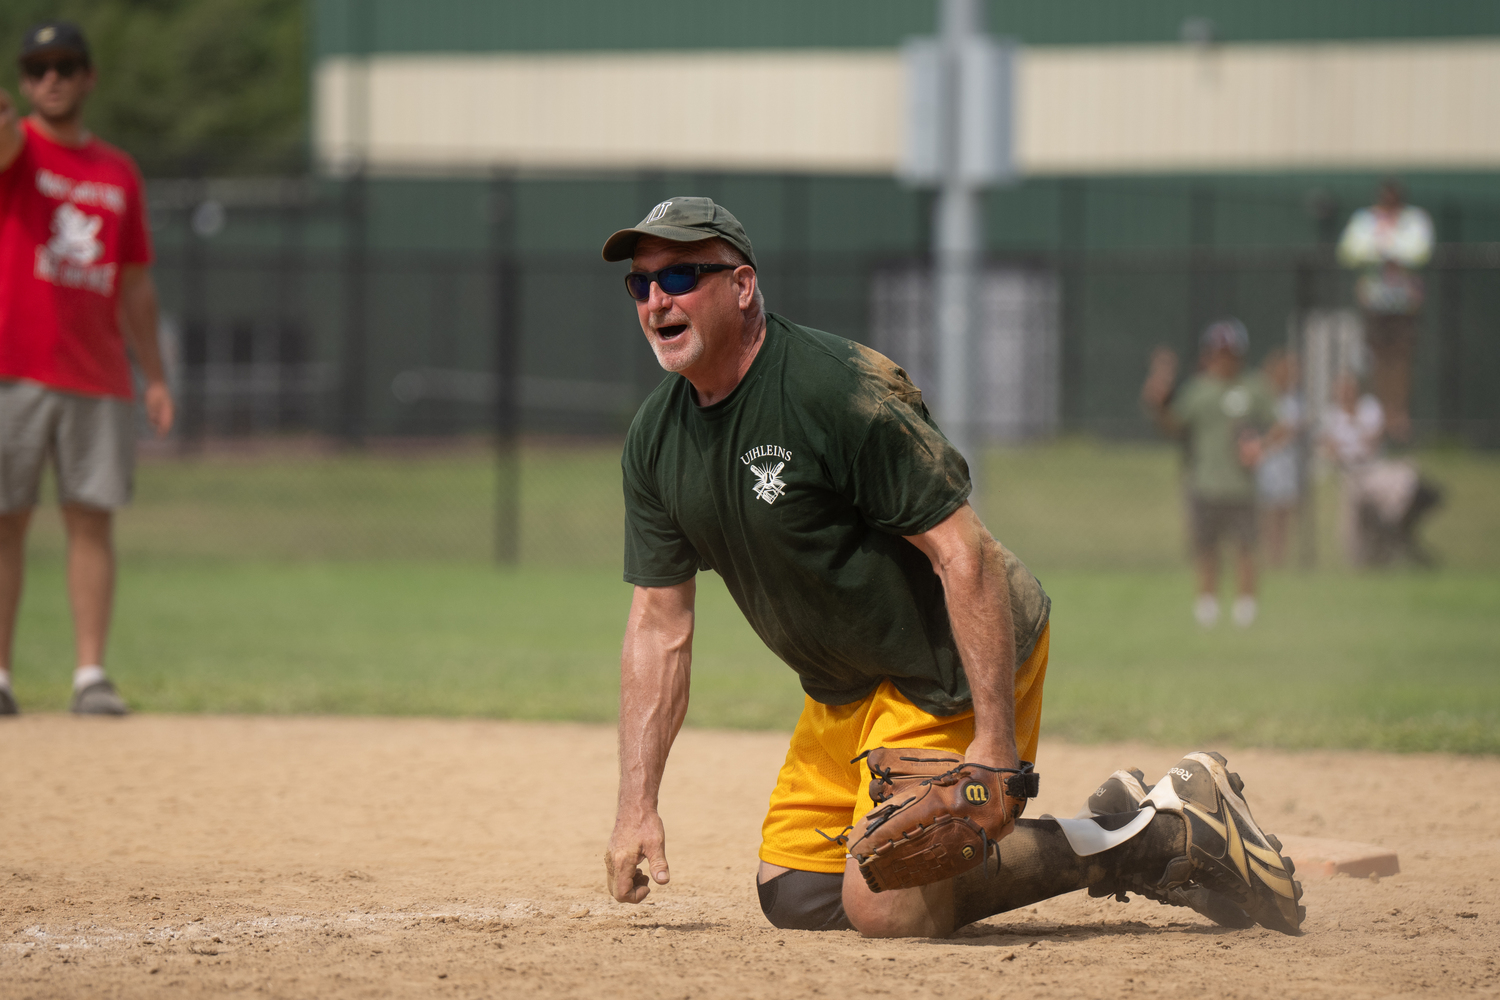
(926, 911)
(1391, 347)
(1278, 527)
(1208, 572)
(91, 579)
(12, 573)
(1246, 568)
(1036, 862)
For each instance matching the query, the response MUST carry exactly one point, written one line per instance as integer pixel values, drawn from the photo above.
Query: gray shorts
(1214, 520)
(90, 440)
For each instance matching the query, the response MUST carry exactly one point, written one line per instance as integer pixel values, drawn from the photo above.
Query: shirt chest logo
(70, 258)
(75, 235)
(766, 462)
(1237, 402)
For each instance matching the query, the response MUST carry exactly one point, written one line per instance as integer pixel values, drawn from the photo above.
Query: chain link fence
(342, 398)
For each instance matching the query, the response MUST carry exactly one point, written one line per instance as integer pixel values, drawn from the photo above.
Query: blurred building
(1180, 161)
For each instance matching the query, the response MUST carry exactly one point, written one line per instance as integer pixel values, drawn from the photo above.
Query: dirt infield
(191, 856)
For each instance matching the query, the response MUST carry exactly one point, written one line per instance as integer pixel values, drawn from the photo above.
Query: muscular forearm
(655, 669)
(979, 610)
(971, 565)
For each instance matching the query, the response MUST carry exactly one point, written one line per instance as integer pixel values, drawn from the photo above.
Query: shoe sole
(1249, 861)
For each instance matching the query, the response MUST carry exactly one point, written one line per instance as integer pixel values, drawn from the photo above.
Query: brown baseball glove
(935, 817)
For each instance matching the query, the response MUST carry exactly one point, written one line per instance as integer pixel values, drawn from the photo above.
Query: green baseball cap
(683, 220)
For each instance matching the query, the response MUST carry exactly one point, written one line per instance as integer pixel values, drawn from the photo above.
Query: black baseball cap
(54, 36)
(682, 219)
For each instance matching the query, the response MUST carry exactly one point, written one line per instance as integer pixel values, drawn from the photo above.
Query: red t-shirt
(69, 220)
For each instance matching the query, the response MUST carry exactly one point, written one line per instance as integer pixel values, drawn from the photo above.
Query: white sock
(4, 680)
(84, 676)
(1244, 610)
(1206, 610)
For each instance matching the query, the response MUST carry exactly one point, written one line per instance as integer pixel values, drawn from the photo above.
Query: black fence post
(506, 291)
(650, 189)
(1450, 401)
(1307, 526)
(288, 328)
(351, 413)
(1202, 208)
(795, 255)
(194, 332)
(1072, 239)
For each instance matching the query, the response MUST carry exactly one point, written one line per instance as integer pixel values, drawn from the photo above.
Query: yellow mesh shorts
(818, 789)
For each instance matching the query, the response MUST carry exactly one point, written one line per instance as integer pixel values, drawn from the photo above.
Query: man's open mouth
(669, 332)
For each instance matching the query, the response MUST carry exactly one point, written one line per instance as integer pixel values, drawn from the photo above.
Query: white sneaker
(1206, 610)
(1244, 611)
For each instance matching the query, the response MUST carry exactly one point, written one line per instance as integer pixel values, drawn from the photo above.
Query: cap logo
(658, 212)
(46, 34)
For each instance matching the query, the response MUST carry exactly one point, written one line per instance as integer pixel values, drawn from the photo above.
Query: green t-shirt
(796, 489)
(1215, 414)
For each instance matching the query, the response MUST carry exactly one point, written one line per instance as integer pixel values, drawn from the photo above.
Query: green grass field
(362, 585)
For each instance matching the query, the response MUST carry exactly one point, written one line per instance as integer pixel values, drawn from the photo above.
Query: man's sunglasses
(679, 279)
(66, 68)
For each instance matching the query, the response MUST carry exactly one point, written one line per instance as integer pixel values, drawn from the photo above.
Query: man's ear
(744, 277)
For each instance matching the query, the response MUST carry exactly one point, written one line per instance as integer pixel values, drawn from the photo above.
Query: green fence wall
(350, 26)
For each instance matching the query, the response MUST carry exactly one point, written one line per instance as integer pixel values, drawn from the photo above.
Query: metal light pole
(957, 242)
(958, 123)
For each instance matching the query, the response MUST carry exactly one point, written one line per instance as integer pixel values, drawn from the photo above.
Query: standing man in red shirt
(75, 287)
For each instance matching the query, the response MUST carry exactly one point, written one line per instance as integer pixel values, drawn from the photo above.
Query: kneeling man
(807, 472)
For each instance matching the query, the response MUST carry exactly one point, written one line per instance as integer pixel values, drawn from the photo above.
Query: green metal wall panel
(1103, 22)
(344, 26)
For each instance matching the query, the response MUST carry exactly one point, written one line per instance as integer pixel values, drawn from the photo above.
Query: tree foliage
(187, 86)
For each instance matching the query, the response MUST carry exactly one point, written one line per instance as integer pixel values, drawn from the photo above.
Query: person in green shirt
(806, 471)
(1228, 420)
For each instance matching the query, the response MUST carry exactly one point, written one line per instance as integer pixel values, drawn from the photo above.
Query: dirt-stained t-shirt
(1215, 414)
(797, 489)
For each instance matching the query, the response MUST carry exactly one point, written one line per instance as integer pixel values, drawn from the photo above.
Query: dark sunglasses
(66, 68)
(678, 279)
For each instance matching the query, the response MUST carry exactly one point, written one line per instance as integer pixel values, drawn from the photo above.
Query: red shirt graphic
(69, 220)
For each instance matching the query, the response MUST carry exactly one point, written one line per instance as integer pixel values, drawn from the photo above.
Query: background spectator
(1225, 416)
(75, 285)
(1387, 243)
(1382, 500)
(1278, 477)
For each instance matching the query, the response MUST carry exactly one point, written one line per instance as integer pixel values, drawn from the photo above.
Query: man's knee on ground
(804, 901)
(922, 912)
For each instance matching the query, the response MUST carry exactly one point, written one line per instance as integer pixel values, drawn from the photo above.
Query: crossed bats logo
(769, 485)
